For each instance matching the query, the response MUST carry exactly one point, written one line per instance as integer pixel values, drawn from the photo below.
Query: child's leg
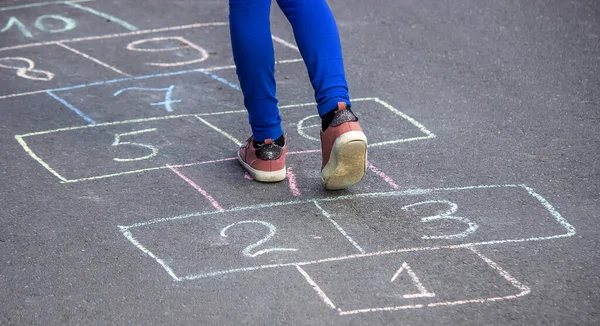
(317, 37)
(255, 60)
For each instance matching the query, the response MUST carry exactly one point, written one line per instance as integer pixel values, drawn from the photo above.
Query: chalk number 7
(118, 142)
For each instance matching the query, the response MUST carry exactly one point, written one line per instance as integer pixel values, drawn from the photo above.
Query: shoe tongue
(268, 141)
(342, 106)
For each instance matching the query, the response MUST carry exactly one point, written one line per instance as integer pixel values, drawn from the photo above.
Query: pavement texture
(122, 201)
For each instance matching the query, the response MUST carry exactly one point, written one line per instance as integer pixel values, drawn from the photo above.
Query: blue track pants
(318, 39)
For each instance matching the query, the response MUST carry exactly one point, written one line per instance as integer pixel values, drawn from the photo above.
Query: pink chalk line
(383, 176)
(197, 187)
(247, 176)
(292, 182)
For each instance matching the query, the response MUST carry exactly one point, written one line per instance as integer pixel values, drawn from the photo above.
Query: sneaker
(265, 163)
(344, 150)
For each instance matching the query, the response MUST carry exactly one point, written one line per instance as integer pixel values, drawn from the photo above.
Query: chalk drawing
(411, 192)
(69, 23)
(92, 59)
(24, 71)
(338, 227)
(524, 290)
(423, 292)
(103, 15)
(206, 195)
(168, 93)
(247, 176)
(72, 108)
(300, 127)
(291, 177)
(222, 80)
(447, 215)
(118, 142)
(198, 115)
(13, 21)
(248, 249)
(204, 54)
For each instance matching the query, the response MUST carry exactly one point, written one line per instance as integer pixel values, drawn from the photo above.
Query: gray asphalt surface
(122, 202)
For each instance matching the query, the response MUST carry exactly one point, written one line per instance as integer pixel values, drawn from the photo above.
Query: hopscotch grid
(524, 290)
(560, 220)
(89, 57)
(206, 195)
(197, 115)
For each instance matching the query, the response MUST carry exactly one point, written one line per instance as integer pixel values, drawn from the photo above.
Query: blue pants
(317, 37)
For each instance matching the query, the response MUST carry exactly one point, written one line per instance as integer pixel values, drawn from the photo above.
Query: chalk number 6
(446, 215)
(118, 142)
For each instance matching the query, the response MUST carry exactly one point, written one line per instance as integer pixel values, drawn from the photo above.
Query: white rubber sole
(347, 163)
(263, 176)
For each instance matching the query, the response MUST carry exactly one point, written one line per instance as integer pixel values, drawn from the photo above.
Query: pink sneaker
(344, 150)
(265, 163)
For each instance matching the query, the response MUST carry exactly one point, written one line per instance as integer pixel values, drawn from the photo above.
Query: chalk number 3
(118, 142)
(446, 215)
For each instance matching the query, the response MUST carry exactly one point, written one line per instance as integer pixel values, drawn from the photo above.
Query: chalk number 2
(118, 142)
(248, 250)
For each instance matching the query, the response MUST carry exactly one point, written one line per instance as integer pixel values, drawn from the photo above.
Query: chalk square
(176, 48)
(222, 242)
(454, 216)
(410, 280)
(383, 124)
(113, 149)
(229, 184)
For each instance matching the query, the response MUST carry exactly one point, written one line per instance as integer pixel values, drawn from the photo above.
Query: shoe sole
(347, 163)
(263, 176)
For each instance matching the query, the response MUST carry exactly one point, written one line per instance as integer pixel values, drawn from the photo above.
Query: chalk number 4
(118, 142)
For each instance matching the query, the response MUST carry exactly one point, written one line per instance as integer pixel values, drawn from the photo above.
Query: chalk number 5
(118, 142)
(446, 215)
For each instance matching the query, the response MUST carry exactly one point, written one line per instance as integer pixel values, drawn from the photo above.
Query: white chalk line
(112, 81)
(101, 37)
(130, 237)
(104, 15)
(316, 287)
(41, 4)
(513, 281)
(284, 43)
(197, 115)
(338, 227)
(221, 131)
(423, 292)
(89, 57)
(561, 220)
(37, 158)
